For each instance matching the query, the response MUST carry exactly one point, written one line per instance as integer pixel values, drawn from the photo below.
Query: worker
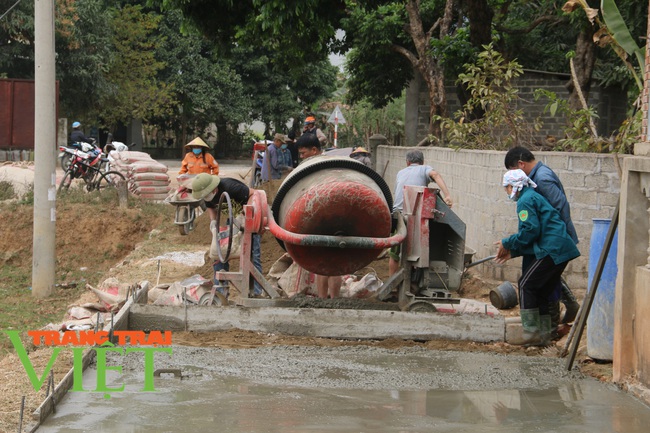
(209, 188)
(542, 235)
(551, 188)
(326, 286)
(415, 174)
(311, 128)
(362, 155)
(198, 159)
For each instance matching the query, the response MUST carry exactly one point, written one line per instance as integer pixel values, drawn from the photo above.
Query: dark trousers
(538, 282)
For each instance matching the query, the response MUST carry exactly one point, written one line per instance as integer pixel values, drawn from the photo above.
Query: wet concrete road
(349, 389)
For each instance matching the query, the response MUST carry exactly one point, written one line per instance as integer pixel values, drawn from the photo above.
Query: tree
(204, 87)
(83, 47)
(136, 91)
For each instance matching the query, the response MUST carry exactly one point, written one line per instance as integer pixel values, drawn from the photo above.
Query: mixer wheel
(218, 300)
(421, 307)
(225, 197)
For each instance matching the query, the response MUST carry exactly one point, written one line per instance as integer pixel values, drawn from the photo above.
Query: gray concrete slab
(313, 322)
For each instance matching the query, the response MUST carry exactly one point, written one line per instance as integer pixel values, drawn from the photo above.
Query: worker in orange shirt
(198, 159)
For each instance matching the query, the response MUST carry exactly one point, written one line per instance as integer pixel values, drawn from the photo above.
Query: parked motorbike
(258, 155)
(88, 153)
(66, 153)
(187, 207)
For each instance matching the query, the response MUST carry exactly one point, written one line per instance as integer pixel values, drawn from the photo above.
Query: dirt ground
(94, 243)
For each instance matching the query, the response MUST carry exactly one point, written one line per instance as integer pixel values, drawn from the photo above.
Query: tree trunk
(584, 62)
(480, 15)
(432, 73)
(434, 76)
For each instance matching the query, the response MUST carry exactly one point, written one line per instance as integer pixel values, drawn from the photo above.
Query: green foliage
(364, 120)
(137, 91)
(297, 31)
(489, 82)
(6, 190)
(577, 131)
(203, 86)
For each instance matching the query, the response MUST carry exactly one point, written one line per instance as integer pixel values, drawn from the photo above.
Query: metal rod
(588, 301)
(478, 262)
(53, 393)
(22, 411)
(337, 241)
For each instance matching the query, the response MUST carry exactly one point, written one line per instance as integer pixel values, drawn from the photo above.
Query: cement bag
(150, 166)
(153, 197)
(364, 288)
(138, 177)
(130, 156)
(139, 189)
(235, 249)
(296, 280)
(153, 182)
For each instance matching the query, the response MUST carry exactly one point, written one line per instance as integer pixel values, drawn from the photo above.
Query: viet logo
(523, 215)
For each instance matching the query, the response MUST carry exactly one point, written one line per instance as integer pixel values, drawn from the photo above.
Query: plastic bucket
(600, 323)
(504, 296)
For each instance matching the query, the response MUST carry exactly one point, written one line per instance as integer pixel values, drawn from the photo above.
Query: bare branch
(446, 18)
(406, 53)
(551, 19)
(433, 27)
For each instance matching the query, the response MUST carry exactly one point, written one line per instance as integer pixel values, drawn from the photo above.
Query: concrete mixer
(333, 217)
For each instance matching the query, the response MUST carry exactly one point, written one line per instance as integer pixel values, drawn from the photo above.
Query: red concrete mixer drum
(336, 197)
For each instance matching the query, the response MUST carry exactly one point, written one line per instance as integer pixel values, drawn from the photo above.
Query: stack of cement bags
(147, 177)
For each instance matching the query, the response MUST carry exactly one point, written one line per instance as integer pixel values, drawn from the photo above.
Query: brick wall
(610, 104)
(591, 182)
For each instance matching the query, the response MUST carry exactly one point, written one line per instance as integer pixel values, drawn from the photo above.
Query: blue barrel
(600, 323)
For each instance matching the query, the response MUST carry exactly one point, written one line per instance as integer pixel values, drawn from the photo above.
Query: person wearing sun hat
(198, 159)
(362, 155)
(209, 188)
(544, 239)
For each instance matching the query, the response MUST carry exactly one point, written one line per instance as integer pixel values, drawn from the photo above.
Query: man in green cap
(209, 187)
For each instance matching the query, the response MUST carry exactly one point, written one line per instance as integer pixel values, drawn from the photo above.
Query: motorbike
(66, 153)
(258, 156)
(187, 207)
(88, 153)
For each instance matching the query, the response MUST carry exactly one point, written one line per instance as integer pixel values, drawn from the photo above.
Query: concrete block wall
(591, 182)
(610, 104)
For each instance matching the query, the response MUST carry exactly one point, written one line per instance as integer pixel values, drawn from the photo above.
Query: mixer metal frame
(432, 260)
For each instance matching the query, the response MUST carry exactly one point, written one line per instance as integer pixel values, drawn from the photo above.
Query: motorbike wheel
(184, 229)
(257, 183)
(65, 182)
(65, 161)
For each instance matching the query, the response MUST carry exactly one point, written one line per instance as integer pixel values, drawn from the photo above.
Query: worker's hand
(503, 255)
(449, 202)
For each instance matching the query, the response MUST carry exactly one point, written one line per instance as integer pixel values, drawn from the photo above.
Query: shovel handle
(478, 262)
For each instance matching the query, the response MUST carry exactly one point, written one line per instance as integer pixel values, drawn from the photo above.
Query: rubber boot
(530, 322)
(545, 328)
(570, 303)
(554, 312)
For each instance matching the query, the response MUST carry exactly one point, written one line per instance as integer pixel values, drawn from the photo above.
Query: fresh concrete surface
(313, 322)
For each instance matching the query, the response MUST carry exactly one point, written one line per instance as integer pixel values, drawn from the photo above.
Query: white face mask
(210, 196)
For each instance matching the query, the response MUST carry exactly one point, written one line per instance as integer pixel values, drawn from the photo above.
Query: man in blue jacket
(550, 187)
(542, 236)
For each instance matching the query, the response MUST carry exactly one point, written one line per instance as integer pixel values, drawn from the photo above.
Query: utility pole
(43, 256)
